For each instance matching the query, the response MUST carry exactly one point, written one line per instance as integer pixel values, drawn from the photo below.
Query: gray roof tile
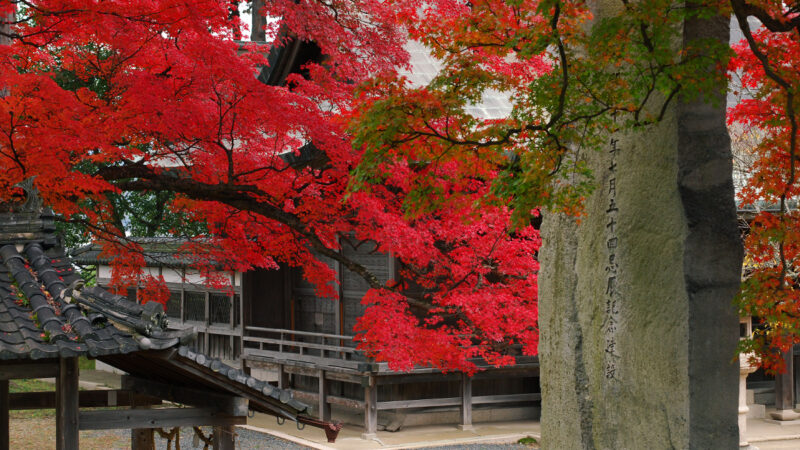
(45, 312)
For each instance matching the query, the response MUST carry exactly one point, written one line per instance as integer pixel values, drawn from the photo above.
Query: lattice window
(174, 305)
(219, 310)
(196, 306)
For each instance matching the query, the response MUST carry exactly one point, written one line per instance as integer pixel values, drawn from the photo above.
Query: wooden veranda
(333, 357)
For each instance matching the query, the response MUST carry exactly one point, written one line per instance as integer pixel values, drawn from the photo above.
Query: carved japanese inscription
(611, 270)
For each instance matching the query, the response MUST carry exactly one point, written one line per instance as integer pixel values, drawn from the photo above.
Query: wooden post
(283, 377)
(67, 404)
(183, 294)
(338, 307)
(784, 383)
(370, 409)
(225, 438)
(796, 377)
(4, 405)
(258, 22)
(324, 391)
(206, 322)
(466, 403)
(142, 438)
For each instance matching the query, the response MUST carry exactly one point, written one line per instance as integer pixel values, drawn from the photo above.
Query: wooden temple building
(48, 319)
(274, 327)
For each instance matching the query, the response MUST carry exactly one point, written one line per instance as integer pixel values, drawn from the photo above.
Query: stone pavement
(760, 433)
(772, 436)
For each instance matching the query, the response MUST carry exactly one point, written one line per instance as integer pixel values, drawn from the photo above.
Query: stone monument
(638, 326)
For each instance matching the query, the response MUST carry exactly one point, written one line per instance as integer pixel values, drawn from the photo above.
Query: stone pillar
(745, 369)
(638, 326)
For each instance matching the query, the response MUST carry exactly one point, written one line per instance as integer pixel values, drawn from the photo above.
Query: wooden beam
(67, 419)
(419, 403)
(465, 408)
(457, 401)
(413, 378)
(86, 399)
(4, 400)
(296, 359)
(506, 398)
(346, 402)
(28, 369)
(156, 418)
(505, 372)
(226, 404)
(313, 397)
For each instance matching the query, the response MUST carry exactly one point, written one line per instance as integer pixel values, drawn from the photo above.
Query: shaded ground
(36, 429)
(40, 433)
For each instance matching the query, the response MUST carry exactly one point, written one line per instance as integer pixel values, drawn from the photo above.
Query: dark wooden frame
(210, 408)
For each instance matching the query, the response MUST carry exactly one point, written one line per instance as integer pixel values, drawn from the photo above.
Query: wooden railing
(319, 348)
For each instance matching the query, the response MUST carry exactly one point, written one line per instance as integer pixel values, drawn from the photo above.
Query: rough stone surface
(663, 376)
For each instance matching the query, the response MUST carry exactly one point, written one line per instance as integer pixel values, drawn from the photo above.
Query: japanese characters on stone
(611, 296)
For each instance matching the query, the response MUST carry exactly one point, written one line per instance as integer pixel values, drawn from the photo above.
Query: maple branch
(772, 24)
(562, 57)
(137, 177)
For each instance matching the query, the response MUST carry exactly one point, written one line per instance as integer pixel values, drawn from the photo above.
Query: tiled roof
(46, 312)
(90, 255)
(157, 251)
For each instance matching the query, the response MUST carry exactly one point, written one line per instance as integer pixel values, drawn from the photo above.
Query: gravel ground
(245, 440)
(253, 440)
(39, 433)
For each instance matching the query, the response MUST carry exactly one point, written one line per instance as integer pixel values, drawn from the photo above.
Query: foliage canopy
(152, 102)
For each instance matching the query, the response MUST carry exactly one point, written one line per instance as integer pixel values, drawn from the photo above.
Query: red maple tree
(107, 98)
(128, 96)
(766, 61)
